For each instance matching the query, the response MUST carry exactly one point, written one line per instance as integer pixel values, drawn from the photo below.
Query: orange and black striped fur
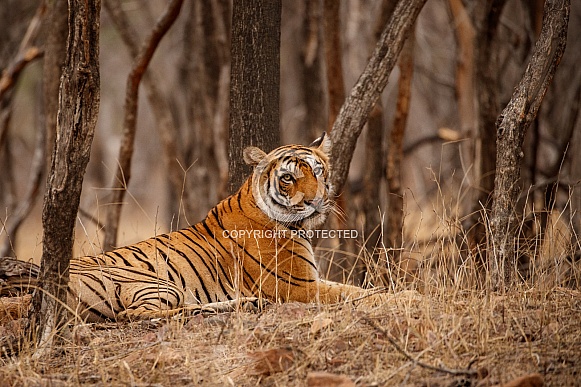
(250, 247)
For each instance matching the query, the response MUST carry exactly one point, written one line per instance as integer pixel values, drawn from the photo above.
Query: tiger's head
(291, 184)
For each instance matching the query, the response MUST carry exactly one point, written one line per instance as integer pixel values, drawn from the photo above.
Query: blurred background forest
(176, 183)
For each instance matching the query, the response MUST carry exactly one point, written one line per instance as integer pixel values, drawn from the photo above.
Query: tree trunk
(332, 38)
(55, 50)
(511, 128)
(368, 88)
(375, 156)
(207, 73)
(313, 82)
(255, 80)
(487, 17)
(395, 150)
(78, 109)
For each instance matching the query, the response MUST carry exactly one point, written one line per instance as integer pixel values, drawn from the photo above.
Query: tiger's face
(291, 183)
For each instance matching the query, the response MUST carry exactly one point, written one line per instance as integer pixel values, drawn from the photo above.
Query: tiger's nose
(315, 203)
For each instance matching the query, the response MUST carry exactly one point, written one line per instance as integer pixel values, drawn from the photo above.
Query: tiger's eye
(287, 178)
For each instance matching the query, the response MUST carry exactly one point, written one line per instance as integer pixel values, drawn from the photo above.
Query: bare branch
(368, 88)
(27, 52)
(123, 174)
(29, 198)
(10, 75)
(160, 108)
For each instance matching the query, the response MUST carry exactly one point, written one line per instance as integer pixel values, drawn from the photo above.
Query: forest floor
(469, 338)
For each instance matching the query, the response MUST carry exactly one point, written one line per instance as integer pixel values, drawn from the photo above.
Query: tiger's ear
(323, 143)
(253, 155)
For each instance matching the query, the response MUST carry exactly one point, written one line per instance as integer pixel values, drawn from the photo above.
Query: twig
(34, 183)
(10, 75)
(416, 362)
(93, 219)
(26, 52)
(140, 65)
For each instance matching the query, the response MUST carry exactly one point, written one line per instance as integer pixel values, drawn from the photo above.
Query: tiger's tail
(17, 277)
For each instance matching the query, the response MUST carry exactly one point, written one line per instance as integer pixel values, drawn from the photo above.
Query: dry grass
(502, 337)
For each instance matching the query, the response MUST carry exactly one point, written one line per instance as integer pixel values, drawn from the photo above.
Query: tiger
(252, 246)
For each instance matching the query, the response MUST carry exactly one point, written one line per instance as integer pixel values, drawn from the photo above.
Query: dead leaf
(315, 379)
(272, 361)
(530, 380)
(319, 324)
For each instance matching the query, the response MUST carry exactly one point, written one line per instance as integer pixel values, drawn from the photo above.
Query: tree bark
(332, 38)
(55, 50)
(123, 174)
(77, 116)
(486, 20)
(375, 160)
(368, 88)
(395, 149)
(316, 121)
(511, 128)
(254, 83)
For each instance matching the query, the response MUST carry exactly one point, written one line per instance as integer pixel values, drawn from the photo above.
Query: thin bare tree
(486, 20)
(313, 81)
(27, 53)
(123, 174)
(159, 104)
(395, 209)
(366, 91)
(511, 127)
(376, 154)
